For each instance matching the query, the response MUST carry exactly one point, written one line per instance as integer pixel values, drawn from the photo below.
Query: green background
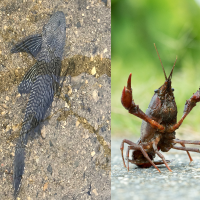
(174, 26)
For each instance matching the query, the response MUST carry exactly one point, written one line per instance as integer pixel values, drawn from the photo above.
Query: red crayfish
(158, 125)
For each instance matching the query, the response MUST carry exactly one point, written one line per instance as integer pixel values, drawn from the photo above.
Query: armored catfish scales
(41, 81)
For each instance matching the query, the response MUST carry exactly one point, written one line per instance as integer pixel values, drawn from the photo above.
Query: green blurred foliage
(174, 27)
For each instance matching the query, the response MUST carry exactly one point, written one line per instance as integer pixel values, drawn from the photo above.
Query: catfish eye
(172, 89)
(156, 91)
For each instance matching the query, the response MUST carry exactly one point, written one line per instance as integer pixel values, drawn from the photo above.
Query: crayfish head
(165, 89)
(163, 106)
(163, 101)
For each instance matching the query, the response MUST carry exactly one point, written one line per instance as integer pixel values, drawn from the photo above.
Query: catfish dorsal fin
(31, 44)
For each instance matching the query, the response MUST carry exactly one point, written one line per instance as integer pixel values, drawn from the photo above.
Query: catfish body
(41, 81)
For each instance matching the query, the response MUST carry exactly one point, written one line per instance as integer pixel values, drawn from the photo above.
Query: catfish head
(48, 45)
(53, 36)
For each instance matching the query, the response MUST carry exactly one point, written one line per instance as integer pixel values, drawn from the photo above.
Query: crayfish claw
(126, 98)
(124, 92)
(129, 82)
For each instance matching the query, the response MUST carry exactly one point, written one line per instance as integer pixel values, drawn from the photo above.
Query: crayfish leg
(186, 149)
(183, 142)
(197, 142)
(160, 155)
(188, 153)
(122, 148)
(145, 164)
(160, 162)
(147, 157)
(148, 164)
(134, 146)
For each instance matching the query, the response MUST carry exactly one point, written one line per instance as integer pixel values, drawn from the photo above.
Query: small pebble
(4, 106)
(93, 71)
(93, 153)
(3, 113)
(70, 90)
(77, 123)
(66, 105)
(45, 186)
(43, 132)
(95, 192)
(12, 154)
(95, 95)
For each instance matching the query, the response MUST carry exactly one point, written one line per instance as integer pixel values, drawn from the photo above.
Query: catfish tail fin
(18, 166)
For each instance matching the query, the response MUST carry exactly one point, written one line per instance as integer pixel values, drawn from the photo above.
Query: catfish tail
(18, 166)
(19, 159)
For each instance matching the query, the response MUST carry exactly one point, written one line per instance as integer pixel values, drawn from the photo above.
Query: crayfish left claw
(126, 98)
(129, 82)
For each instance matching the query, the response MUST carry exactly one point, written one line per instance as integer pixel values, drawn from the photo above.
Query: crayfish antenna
(160, 62)
(170, 76)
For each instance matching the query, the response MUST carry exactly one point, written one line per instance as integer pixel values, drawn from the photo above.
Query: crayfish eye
(172, 89)
(156, 91)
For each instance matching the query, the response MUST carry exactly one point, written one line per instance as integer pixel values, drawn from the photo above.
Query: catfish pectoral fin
(31, 44)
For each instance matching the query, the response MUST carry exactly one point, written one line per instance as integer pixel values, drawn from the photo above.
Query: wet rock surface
(69, 157)
(142, 184)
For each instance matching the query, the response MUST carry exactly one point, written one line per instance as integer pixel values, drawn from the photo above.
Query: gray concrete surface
(148, 184)
(71, 160)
